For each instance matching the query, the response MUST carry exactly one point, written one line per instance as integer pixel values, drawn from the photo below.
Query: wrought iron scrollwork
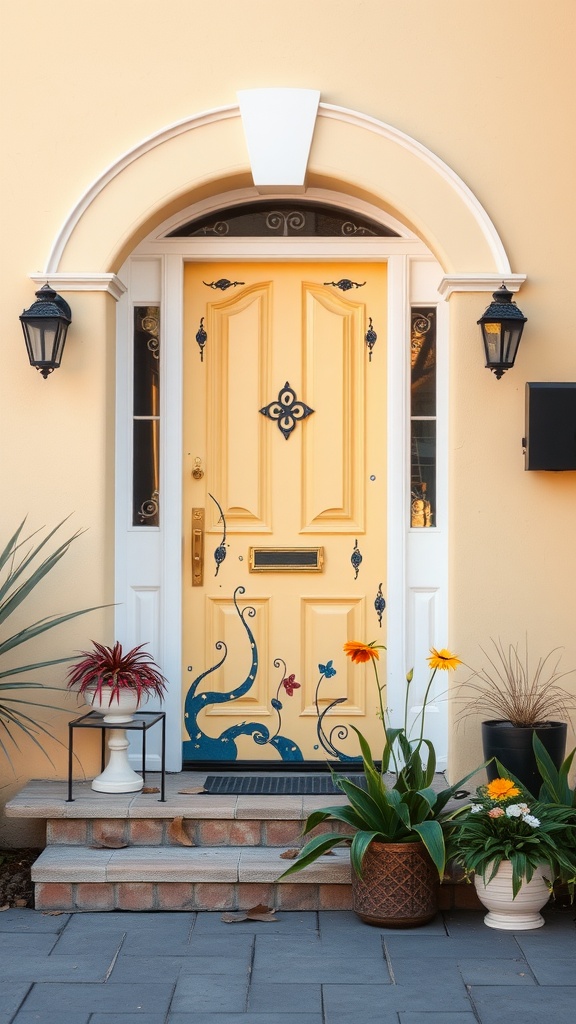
(370, 338)
(344, 284)
(286, 410)
(288, 219)
(379, 604)
(201, 338)
(220, 552)
(223, 284)
(356, 559)
(149, 508)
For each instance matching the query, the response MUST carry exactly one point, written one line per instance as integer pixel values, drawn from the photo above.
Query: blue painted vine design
(201, 746)
(341, 731)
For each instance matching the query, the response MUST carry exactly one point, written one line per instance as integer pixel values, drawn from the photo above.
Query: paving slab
(38, 968)
(24, 943)
(276, 998)
(425, 1017)
(12, 995)
(526, 1005)
(19, 920)
(146, 998)
(300, 922)
(497, 972)
(199, 994)
(250, 1018)
(559, 971)
(288, 966)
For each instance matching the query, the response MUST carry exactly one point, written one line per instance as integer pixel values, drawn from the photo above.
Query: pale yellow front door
(284, 508)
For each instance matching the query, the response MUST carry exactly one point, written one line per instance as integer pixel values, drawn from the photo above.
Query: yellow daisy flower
(360, 652)
(501, 789)
(443, 659)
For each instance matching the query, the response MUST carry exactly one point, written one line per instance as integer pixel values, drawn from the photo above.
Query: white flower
(476, 808)
(515, 811)
(531, 820)
(524, 808)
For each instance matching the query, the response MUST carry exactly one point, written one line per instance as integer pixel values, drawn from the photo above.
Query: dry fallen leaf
(109, 843)
(178, 833)
(5, 907)
(52, 913)
(192, 791)
(150, 789)
(20, 903)
(289, 854)
(259, 913)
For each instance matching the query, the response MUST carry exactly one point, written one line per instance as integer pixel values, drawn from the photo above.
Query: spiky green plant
(24, 562)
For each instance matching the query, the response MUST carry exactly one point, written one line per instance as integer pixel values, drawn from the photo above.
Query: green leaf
(432, 836)
(314, 849)
(360, 844)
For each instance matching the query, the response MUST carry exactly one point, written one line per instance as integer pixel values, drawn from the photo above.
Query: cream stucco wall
(486, 87)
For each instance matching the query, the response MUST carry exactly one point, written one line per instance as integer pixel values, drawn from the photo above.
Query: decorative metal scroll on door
(286, 410)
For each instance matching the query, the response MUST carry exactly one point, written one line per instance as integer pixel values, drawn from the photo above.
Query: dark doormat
(277, 785)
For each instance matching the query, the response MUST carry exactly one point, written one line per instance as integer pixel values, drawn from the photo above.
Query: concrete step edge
(183, 864)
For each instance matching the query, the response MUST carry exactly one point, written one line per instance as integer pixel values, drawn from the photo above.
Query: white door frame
(149, 560)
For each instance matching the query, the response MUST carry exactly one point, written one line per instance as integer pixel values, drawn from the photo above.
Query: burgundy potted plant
(116, 684)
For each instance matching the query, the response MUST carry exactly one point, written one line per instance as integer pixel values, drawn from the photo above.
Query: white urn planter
(504, 912)
(118, 776)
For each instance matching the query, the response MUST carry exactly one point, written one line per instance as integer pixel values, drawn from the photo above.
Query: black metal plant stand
(141, 722)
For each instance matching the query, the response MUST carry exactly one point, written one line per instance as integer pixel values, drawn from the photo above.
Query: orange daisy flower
(360, 652)
(501, 789)
(443, 659)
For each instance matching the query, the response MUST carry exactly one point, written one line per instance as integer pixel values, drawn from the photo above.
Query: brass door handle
(198, 518)
(197, 471)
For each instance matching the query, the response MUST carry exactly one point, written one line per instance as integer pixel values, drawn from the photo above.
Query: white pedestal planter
(520, 914)
(118, 776)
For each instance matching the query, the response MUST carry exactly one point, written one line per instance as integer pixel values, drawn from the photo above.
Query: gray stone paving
(305, 968)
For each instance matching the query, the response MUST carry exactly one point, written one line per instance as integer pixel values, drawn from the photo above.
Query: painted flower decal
(501, 789)
(443, 659)
(327, 670)
(359, 652)
(290, 685)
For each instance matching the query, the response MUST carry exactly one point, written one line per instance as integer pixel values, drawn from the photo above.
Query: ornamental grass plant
(512, 689)
(409, 810)
(505, 823)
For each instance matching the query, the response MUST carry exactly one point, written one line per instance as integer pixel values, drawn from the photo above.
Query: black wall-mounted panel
(550, 440)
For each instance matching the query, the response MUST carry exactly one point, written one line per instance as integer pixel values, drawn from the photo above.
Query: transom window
(282, 218)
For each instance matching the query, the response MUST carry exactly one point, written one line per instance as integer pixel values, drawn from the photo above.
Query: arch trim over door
(181, 159)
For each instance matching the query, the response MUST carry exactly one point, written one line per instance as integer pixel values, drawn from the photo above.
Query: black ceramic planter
(512, 745)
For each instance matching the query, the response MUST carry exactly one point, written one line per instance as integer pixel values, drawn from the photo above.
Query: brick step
(233, 864)
(192, 878)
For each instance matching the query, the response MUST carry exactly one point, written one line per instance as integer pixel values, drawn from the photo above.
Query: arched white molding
(352, 147)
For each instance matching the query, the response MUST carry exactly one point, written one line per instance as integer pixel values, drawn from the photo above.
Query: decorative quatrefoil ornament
(286, 410)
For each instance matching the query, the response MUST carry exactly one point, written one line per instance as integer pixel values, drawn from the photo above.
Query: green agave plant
(409, 811)
(24, 562)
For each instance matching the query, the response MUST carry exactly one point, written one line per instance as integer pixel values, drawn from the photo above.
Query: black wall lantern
(45, 326)
(502, 326)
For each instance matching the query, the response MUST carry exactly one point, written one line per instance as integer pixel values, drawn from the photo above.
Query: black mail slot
(286, 559)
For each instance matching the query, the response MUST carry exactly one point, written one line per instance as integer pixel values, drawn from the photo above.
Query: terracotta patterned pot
(399, 886)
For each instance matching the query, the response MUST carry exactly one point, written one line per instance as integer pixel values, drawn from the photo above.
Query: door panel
(286, 413)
